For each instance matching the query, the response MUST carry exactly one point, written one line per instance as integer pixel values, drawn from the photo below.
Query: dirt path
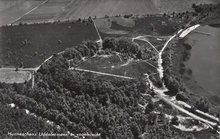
(159, 92)
(100, 38)
(102, 73)
(141, 38)
(160, 60)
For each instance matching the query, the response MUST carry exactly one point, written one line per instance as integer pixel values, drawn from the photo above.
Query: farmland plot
(99, 8)
(46, 12)
(74, 9)
(10, 10)
(86, 8)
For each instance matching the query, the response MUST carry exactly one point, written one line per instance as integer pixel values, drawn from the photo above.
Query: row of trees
(79, 20)
(207, 13)
(122, 45)
(172, 76)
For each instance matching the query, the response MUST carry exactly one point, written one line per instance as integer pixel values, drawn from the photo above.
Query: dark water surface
(205, 58)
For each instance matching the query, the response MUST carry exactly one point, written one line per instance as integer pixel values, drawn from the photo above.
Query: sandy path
(102, 73)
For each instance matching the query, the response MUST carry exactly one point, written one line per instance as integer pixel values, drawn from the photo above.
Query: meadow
(29, 45)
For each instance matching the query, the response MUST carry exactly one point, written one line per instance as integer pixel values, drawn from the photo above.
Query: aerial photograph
(109, 69)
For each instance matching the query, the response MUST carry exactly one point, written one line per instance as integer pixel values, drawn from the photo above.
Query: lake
(205, 57)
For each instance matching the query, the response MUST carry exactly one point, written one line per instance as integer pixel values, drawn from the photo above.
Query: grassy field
(136, 26)
(115, 64)
(13, 76)
(30, 45)
(74, 9)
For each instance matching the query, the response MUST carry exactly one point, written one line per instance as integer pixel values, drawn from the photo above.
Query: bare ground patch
(12, 76)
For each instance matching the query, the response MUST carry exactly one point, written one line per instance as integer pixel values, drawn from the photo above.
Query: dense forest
(16, 120)
(79, 104)
(207, 14)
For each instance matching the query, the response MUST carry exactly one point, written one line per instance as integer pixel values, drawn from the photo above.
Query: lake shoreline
(181, 69)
